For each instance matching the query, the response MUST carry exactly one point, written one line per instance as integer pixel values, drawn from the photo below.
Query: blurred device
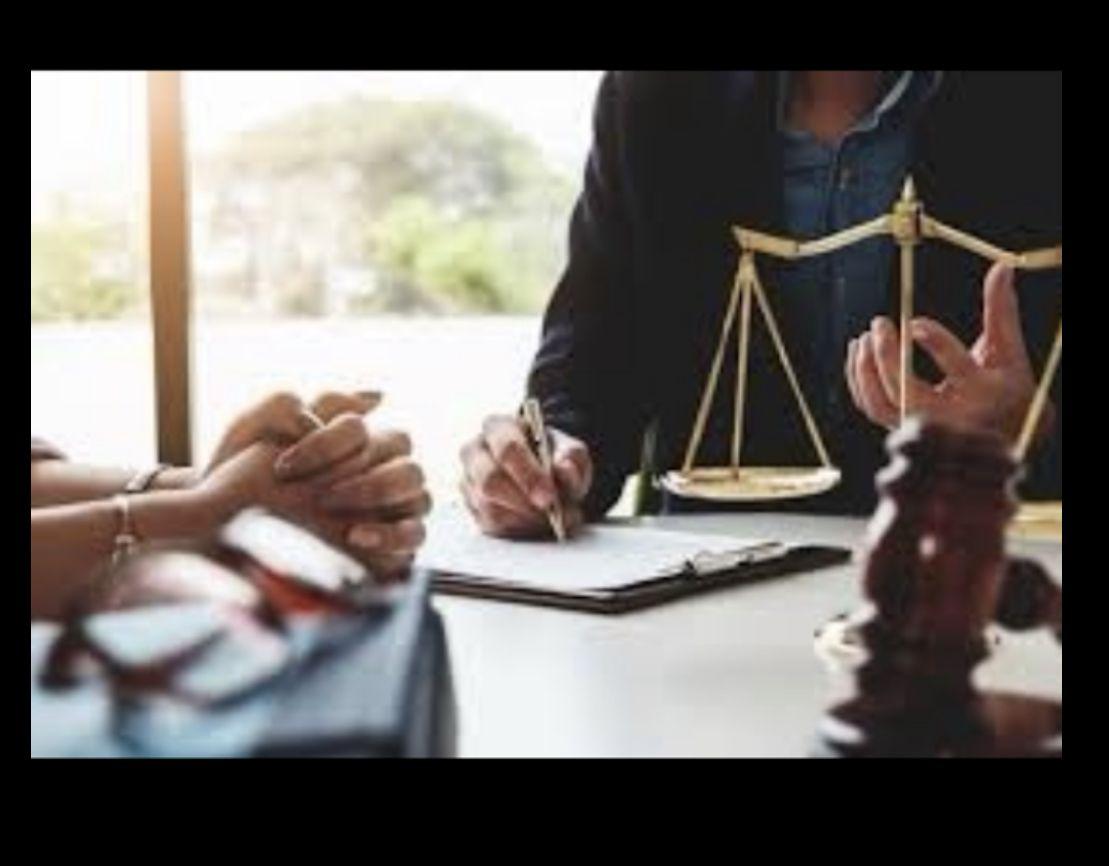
(265, 642)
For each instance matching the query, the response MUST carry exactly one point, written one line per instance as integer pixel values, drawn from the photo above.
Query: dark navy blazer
(677, 159)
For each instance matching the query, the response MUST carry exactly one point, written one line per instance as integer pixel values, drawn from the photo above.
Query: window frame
(170, 276)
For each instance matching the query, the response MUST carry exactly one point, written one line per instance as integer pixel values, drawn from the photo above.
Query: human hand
(283, 418)
(505, 486)
(988, 387)
(247, 479)
(366, 480)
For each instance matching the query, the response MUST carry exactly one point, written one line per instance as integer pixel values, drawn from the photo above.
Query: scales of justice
(908, 224)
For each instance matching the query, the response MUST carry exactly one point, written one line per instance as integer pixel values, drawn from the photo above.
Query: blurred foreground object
(935, 578)
(267, 642)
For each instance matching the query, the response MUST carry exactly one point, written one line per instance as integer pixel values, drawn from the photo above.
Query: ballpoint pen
(537, 429)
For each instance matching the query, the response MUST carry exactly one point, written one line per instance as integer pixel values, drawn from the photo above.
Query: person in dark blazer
(677, 160)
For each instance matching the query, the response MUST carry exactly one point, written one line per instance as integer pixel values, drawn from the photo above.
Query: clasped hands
(358, 488)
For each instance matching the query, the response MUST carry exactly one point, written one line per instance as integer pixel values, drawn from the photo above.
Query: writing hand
(504, 484)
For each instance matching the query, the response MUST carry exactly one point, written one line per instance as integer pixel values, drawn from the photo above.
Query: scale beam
(1035, 260)
(788, 248)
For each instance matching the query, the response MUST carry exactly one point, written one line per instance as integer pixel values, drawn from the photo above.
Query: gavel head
(936, 543)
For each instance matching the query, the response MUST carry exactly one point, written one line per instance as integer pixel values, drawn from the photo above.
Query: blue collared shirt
(827, 188)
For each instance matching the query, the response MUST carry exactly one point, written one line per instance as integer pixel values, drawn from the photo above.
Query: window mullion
(169, 267)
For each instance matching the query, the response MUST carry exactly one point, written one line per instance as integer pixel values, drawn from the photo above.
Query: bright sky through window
(296, 282)
(551, 108)
(81, 122)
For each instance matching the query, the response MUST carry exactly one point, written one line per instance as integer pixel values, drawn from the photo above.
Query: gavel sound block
(936, 576)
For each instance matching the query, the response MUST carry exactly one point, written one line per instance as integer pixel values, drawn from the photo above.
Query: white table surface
(728, 673)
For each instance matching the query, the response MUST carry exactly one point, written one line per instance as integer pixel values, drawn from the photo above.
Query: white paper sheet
(596, 558)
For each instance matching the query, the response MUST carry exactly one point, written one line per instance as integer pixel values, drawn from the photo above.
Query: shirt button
(845, 177)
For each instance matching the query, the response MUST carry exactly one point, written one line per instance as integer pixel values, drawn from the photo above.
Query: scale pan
(751, 483)
(1038, 521)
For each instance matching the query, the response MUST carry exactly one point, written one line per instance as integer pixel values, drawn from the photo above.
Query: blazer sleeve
(583, 371)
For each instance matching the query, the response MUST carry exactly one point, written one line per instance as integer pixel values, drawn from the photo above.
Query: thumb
(1001, 315)
(331, 404)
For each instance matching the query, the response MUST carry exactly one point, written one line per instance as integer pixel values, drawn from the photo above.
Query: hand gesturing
(988, 386)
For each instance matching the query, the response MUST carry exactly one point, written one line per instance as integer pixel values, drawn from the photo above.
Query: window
(91, 349)
(398, 231)
(390, 230)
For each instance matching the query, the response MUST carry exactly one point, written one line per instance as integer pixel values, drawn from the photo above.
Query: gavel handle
(1029, 598)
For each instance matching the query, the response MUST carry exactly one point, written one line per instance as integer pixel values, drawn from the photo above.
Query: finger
(283, 416)
(332, 404)
(849, 372)
(491, 517)
(572, 467)
(573, 519)
(358, 462)
(343, 436)
(495, 519)
(386, 445)
(380, 448)
(950, 355)
(400, 537)
(506, 441)
(1001, 313)
(384, 485)
(418, 506)
(886, 344)
(308, 421)
(875, 402)
(489, 481)
(279, 416)
(920, 394)
(470, 500)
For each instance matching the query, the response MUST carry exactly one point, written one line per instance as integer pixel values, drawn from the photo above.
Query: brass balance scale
(908, 224)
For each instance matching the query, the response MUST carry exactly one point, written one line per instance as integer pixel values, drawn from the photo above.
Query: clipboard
(607, 568)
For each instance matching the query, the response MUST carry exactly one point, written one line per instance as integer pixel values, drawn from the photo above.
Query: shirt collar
(896, 86)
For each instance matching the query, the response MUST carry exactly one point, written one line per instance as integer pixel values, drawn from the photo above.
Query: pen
(533, 420)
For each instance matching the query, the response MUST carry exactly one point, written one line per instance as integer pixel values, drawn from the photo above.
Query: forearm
(59, 482)
(71, 543)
